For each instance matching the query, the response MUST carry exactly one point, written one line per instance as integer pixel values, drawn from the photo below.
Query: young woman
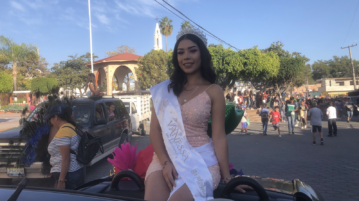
(66, 171)
(91, 80)
(186, 164)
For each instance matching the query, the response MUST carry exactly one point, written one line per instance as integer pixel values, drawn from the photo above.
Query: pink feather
(124, 158)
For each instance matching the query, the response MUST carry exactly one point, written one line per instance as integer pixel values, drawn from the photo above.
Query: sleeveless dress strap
(209, 87)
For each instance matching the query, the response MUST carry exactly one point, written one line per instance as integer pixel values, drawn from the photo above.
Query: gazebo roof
(120, 57)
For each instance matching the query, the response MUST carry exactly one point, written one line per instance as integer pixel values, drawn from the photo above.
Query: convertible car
(116, 188)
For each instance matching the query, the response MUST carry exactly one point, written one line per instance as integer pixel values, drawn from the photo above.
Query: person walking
(276, 119)
(316, 117)
(66, 170)
(349, 106)
(303, 115)
(264, 113)
(290, 110)
(332, 120)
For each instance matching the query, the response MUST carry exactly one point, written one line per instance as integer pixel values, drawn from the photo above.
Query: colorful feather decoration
(124, 158)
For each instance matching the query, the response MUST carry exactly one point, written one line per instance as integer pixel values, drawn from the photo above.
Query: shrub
(43, 85)
(6, 83)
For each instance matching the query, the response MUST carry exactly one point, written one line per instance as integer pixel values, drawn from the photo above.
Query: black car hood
(11, 133)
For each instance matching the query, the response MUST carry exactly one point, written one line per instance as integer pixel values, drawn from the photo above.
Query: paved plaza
(332, 169)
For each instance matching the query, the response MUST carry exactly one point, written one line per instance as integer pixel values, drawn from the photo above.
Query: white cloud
(16, 5)
(102, 18)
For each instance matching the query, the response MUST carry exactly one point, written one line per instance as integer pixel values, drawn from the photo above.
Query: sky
(317, 29)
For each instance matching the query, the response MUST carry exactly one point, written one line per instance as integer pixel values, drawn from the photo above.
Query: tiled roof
(119, 57)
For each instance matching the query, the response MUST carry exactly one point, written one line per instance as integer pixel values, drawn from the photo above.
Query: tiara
(194, 31)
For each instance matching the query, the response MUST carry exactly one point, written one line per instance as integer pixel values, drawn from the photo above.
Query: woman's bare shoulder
(215, 92)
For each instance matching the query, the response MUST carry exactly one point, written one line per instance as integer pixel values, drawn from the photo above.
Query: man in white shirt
(316, 116)
(332, 119)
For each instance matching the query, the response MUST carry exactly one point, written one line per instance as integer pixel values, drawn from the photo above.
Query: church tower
(158, 38)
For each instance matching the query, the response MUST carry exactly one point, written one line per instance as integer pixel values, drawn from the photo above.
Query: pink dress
(195, 115)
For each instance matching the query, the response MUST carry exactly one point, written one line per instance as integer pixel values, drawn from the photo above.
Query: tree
(185, 25)
(15, 53)
(152, 69)
(227, 65)
(6, 83)
(166, 28)
(44, 85)
(120, 50)
(291, 71)
(259, 68)
(334, 68)
(73, 72)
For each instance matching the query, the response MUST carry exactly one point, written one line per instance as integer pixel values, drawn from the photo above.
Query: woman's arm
(65, 164)
(218, 132)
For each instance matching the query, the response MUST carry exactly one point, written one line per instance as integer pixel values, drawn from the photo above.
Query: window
(133, 107)
(340, 83)
(127, 105)
(121, 109)
(112, 112)
(81, 113)
(99, 112)
(352, 83)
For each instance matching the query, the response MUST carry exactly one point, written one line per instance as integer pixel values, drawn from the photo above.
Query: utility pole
(351, 61)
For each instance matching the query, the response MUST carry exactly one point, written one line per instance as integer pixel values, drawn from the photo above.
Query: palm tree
(185, 24)
(166, 28)
(16, 53)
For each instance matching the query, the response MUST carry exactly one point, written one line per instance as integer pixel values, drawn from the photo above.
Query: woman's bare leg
(182, 194)
(156, 188)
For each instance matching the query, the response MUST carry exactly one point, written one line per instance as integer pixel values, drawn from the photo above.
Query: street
(332, 169)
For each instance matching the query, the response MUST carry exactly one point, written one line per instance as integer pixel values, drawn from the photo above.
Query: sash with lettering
(191, 163)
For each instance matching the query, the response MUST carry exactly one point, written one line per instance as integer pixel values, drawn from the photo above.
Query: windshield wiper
(18, 190)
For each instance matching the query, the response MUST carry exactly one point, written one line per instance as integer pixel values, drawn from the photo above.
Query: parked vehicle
(91, 115)
(139, 108)
(114, 188)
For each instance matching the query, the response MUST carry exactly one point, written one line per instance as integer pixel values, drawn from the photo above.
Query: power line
(210, 34)
(351, 23)
(180, 16)
(351, 61)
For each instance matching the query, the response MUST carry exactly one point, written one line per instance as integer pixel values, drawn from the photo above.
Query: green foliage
(16, 108)
(291, 72)
(259, 68)
(170, 64)
(186, 24)
(14, 53)
(6, 83)
(227, 65)
(166, 28)
(43, 85)
(73, 72)
(334, 68)
(152, 68)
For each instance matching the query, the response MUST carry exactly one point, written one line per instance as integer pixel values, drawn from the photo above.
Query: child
(244, 122)
(264, 113)
(276, 118)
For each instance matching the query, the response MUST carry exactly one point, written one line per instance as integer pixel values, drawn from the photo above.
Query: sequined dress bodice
(195, 115)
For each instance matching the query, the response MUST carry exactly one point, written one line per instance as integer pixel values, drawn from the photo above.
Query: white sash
(189, 163)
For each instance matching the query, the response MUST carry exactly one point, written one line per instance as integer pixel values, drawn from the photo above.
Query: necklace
(185, 100)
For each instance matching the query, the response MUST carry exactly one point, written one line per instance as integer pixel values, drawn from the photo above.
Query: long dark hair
(67, 116)
(179, 78)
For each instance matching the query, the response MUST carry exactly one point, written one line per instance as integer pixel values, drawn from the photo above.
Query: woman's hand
(61, 185)
(170, 174)
(241, 188)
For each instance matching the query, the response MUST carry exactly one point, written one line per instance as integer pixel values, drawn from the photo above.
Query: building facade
(336, 86)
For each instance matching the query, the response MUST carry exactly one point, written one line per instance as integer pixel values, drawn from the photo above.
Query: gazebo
(117, 66)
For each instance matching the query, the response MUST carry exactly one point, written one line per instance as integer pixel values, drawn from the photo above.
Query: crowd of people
(295, 110)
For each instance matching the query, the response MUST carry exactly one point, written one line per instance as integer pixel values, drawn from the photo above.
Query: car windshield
(127, 105)
(82, 113)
